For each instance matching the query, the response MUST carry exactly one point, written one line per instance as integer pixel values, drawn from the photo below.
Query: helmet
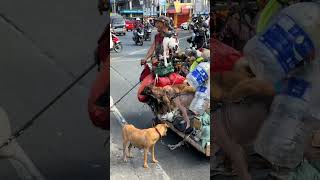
(138, 19)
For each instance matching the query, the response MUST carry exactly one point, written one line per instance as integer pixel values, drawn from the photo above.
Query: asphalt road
(44, 46)
(184, 163)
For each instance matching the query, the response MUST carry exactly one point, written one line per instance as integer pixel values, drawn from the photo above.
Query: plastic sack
(173, 78)
(99, 115)
(176, 78)
(224, 56)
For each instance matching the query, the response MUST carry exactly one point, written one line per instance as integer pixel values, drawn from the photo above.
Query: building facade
(128, 8)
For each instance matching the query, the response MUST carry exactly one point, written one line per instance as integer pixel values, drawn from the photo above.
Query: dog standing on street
(142, 138)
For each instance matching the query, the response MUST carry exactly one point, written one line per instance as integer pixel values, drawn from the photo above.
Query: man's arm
(150, 52)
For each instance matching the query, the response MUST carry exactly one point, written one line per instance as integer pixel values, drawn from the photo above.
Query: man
(155, 52)
(138, 24)
(162, 24)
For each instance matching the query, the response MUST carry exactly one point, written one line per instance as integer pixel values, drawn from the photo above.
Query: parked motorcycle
(138, 36)
(117, 45)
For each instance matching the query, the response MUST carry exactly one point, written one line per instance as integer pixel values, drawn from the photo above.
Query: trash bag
(172, 79)
(224, 56)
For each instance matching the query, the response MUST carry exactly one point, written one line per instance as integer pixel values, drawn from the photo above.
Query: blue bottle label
(202, 89)
(287, 41)
(296, 87)
(200, 75)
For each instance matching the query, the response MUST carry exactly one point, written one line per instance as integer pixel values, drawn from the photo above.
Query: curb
(133, 169)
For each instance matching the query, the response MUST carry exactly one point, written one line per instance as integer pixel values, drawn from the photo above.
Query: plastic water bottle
(199, 100)
(199, 75)
(291, 37)
(282, 138)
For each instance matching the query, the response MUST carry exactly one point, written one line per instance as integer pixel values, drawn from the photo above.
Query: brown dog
(237, 125)
(142, 138)
(174, 97)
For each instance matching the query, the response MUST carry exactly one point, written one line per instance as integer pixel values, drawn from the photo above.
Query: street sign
(162, 2)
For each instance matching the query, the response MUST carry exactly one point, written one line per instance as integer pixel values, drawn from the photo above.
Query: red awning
(171, 10)
(185, 9)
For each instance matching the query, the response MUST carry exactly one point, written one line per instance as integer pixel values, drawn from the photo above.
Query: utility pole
(130, 7)
(114, 6)
(151, 10)
(160, 9)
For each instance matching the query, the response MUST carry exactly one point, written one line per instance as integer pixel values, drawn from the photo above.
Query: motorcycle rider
(137, 26)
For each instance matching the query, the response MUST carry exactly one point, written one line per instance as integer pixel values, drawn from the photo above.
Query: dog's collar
(158, 132)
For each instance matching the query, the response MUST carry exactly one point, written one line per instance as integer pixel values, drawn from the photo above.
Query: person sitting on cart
(156, 50)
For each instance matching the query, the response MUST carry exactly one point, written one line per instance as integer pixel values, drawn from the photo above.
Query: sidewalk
(133, 169)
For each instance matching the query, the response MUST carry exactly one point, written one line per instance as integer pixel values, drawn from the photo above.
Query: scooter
(200, 36)
(117, 45)
(138, 36)
(147, 33)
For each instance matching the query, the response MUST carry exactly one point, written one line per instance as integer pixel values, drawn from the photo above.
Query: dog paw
(125, 160)
(145, 166)
(155, 161)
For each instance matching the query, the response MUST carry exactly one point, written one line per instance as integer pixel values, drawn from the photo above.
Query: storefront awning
(180, 8)
(131, 12)
(185, 9)
(171, 10)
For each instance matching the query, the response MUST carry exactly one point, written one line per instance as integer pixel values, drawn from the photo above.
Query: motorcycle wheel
(118, 48)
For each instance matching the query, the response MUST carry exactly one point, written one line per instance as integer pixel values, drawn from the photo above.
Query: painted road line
(123, 121)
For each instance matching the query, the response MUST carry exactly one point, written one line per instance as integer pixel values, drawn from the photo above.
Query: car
(118, 25)
(184, 26)
(129, 25)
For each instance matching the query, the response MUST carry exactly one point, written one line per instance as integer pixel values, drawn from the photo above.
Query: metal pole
(114, 6)
(130, 7)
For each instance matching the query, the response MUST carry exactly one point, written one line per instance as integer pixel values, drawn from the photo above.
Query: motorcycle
(201, 34)
(138, 36)
(147, 33)
(117, 45)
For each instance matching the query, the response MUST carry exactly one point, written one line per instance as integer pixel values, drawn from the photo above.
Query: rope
(125, 95)
(29, 123)
(175, 146)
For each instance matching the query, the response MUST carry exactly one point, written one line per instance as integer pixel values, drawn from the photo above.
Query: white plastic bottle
(290, 38)
(199, 75)
(199, 100)
(282, 138)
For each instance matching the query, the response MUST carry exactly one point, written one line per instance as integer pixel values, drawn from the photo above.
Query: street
(183, 163)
